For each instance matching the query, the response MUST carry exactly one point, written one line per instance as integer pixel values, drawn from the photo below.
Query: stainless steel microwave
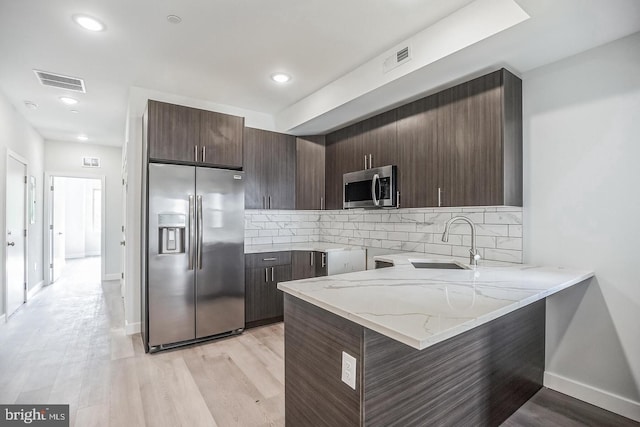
(370, 188)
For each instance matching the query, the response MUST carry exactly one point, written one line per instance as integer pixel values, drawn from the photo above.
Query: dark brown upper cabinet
(379, 135)
(173, 132)
(344, 154)
(221, 139)
(310, 164)
(363, 145)
(270, 166)
(189, 135)
(463, 146)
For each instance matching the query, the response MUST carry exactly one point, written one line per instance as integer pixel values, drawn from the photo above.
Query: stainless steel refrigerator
(195, 255)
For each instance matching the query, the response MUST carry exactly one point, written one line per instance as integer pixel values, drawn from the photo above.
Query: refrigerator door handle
(192, 227)
(199, 231)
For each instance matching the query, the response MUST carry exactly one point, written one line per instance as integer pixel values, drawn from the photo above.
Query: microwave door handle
(376, 201)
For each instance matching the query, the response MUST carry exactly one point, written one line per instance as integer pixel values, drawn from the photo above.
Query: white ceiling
(225, 50)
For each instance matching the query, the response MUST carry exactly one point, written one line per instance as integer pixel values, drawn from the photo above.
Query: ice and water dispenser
(172, 232)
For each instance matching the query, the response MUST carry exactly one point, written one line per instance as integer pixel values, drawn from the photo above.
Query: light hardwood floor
(67, 345)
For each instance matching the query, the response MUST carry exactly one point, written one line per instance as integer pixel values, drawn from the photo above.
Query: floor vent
(399, 57)
(58, 80)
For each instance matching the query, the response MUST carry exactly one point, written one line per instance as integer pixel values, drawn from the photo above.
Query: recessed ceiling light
(88, 23)
(174, 19)
(30, 105)
(280, 77)
(67, 100)
(83, 137)
(73, 111)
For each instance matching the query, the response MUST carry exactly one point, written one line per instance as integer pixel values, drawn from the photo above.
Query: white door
(58, 227)
(16, 230)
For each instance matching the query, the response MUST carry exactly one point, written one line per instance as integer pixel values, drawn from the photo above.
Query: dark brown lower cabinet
(308, 264)
(263, 300)
(478, 378)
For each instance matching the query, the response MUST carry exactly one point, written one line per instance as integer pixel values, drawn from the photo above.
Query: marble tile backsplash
(274, 226)
(499, 229)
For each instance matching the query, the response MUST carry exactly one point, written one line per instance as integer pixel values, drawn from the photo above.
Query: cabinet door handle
(204, 154)
(439, 197)
(321, 203)
(324, 259)
(370, 164)
(269, 259)
(195, 153)
(272, 275)
(269, 202)
(266, 275)
(264, 202)
(365, 161)
(312, 257)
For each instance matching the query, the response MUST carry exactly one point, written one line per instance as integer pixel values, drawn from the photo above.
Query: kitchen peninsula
(431, 346)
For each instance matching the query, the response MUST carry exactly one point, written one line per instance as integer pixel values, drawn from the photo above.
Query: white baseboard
(113, 276)
(603, 399)
(35, 290)
(132, 328)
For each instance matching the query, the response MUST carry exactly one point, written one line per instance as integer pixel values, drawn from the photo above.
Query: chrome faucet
(473, 252)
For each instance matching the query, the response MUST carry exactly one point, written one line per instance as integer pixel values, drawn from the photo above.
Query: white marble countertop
(308, 246)
(421, 307)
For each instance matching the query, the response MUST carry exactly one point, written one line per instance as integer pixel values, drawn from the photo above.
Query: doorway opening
(76, 228)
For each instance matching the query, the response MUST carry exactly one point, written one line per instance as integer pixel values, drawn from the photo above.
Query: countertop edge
(435, 339)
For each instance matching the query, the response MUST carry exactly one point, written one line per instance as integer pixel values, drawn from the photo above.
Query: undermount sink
(443, 265)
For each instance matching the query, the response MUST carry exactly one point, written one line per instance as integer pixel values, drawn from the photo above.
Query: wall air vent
(399, 57)
(58, 80)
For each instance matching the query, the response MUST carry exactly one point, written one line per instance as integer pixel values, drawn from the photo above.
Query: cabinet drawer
(267, 259)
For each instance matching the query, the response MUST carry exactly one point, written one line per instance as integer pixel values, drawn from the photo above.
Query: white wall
(66, 157)
(582, 210)
(18, 136)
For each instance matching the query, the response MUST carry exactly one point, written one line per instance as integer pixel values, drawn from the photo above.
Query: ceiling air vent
(399, 57)
(60, 81)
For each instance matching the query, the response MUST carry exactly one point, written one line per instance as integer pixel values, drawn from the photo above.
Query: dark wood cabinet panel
(308, 264)
(379, 139)
(314, 342)
(173, 132)
(321, 263)
(263, 301)
(255, 167)
(281, 175)
(310, 166)
(512, 139)
(453, 136)
(343, 154)
(221, 139)
(303, 265)
(419, 160)
(269, 163)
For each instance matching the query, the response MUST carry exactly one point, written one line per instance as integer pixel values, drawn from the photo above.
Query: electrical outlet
(349, 370)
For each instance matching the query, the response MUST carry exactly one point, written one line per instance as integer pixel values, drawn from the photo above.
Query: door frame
(19, 158)
(48, 175)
